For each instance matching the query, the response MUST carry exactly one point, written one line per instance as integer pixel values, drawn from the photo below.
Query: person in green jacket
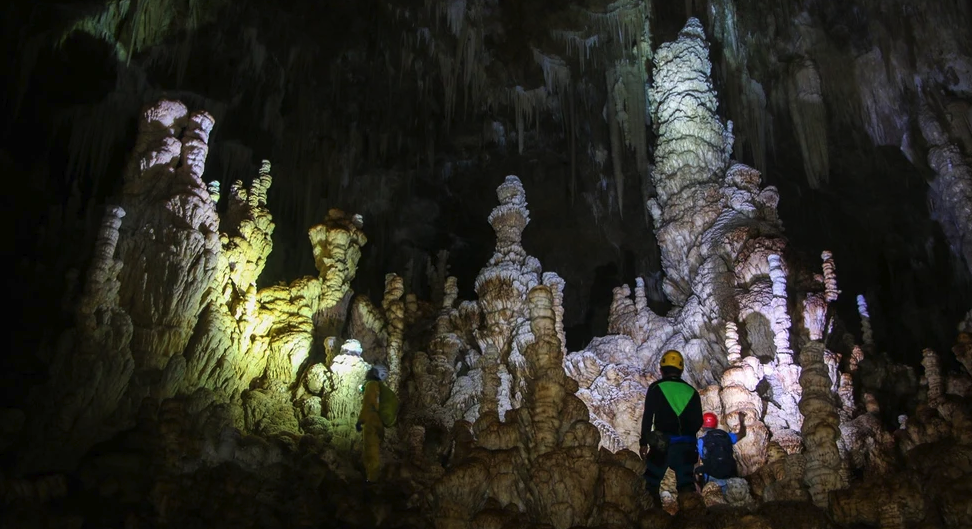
(673, 417)
(379, 410)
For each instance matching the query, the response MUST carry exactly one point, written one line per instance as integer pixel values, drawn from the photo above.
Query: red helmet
(709, 420)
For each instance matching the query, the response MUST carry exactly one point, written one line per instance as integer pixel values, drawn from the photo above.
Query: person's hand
(742, 416)
(643, 451)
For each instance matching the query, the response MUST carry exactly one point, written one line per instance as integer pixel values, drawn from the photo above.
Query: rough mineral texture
(721, 244)
(820, 426)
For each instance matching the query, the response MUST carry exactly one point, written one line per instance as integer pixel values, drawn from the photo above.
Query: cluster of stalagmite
(721, 244)
(502, 287)
(541, 465)
(241, 397)
(164, 227)
(475, 362)
(171, 303)
(932, 487)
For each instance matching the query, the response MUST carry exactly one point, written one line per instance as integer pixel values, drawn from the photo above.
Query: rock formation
(185, 395)
(820, 426)
(542, 464)
(721, 244)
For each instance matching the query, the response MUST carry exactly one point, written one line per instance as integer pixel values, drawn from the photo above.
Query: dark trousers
(681, 457)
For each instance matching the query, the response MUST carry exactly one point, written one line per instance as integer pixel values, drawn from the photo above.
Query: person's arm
(742, 426)
(691, 417)
(649, 416)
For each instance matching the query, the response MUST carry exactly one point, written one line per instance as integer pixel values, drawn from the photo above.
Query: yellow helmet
(673, 358)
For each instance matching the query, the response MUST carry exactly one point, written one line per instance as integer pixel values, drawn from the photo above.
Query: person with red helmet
(715, 451)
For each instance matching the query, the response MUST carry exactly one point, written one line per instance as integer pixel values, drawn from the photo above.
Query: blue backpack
(717, 455)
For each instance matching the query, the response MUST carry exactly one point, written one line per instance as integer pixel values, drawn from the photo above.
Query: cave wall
(238, 377)
(519, 89)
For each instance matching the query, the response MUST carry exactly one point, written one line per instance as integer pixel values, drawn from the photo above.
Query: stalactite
(149, 24)
(437, 275)
(577, 44)
(809, 114)
(623, 20)
(526, 105)
(94, 132)
(629, 100)
(757, 117)
(556, 73)
(614, 129)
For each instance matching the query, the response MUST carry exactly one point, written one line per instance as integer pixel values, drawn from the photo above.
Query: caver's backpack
(717, 455)
(387, 406)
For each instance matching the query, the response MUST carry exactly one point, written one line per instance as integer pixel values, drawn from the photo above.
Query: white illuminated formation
(721, 242)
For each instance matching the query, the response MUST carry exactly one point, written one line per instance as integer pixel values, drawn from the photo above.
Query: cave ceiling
(410, 112)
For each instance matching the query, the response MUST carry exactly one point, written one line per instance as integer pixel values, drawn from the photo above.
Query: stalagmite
(780, 322)
(366, 323)
(820, 426)
(553, 476)
(732, 343)
(868, 334)
(248, 227)
(437, 275)
(718, 231)
(185, 395)
(89, 377)
(337, 248)
(502, 287)
(738, 396)
(933, 375)
(170, 237)
(395, 316)
(830, 277)
(344, 402)
(102, 285)
(691, 155)
(178, 232)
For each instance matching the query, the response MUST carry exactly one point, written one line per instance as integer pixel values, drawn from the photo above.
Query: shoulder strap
(678, 394)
